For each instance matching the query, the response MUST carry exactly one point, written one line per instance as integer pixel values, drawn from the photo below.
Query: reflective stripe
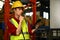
(24, 26)
(14, 22)
(13, 37)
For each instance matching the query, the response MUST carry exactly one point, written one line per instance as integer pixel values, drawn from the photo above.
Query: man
(17, 28)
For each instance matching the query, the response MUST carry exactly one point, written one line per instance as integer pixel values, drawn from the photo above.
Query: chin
(19, 15)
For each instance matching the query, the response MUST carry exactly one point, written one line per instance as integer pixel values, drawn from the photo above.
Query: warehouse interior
(46, 10)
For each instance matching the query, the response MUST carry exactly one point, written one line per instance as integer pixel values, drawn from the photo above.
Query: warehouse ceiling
(42, 5)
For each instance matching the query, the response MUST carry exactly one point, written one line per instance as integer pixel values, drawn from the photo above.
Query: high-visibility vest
(24, 30)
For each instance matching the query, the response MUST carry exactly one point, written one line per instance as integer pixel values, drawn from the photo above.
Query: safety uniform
(12, 25)
(10, 33)
(24, 34)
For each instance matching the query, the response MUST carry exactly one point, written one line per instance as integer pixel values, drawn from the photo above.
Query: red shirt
(11, 30)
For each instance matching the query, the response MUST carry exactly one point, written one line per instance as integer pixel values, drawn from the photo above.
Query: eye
(20, 8)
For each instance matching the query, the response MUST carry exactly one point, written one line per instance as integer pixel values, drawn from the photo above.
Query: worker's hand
(18, 31)
(36, 27)
(33, 30)
(21, 18)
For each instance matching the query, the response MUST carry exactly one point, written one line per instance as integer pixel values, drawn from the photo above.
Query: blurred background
(46, 10)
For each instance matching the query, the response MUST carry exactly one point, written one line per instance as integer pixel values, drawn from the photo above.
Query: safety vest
(22, 36)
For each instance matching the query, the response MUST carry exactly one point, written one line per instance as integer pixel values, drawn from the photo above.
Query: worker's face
(18, 11)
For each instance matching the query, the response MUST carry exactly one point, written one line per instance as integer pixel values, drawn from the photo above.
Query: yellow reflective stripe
(24, 26)
(19, 37)
(27, 36)
(13, 21)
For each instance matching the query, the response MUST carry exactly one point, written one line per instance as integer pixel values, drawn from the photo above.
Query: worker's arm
(36, 27)
(18, 31)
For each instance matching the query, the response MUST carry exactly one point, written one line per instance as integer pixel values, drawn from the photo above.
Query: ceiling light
(3, 0)
(46, 6)
(11, 4)
(37, 2)
(45, 15)
(39, 5)
(26, 8)
(30, 7)
(1, 4)
(24, 5)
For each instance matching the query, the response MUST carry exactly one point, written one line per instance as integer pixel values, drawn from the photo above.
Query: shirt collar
(16, 19)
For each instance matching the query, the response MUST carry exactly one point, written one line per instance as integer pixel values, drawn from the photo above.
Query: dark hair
(19, 8)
